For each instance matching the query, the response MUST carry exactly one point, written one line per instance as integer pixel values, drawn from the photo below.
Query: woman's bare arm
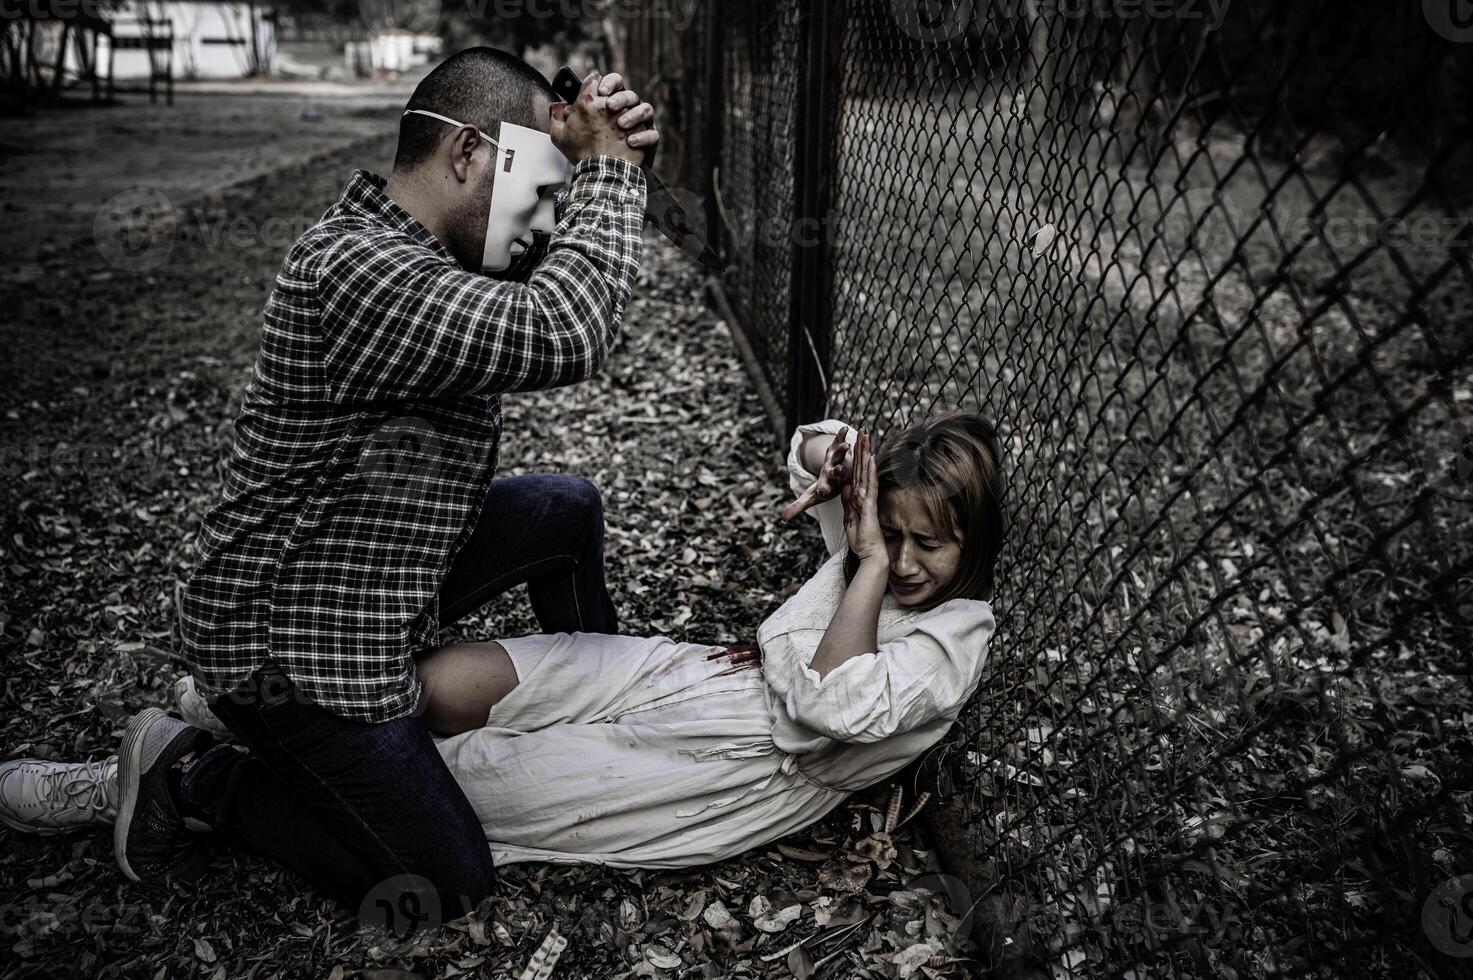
(854, 630)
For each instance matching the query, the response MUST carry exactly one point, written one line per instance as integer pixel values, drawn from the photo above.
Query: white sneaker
(39, 797)
(194, 709)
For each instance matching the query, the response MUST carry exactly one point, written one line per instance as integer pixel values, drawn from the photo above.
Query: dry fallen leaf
(694, 905)
(766, 919)
(800, 963)
(844, 876)
(1043, 239)
(912, 958)
(877, 848)
(662, 956)
(801, 854)
(717, 917)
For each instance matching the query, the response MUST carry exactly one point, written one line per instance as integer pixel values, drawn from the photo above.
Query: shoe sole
(34, 831)
(130, 764)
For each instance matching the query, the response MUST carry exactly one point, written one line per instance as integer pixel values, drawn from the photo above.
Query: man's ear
(463, 144)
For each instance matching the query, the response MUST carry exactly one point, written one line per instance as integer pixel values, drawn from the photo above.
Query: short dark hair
(479, 86)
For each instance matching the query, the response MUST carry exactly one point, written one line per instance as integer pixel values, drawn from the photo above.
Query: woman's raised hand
(831, 477)
(861, 498)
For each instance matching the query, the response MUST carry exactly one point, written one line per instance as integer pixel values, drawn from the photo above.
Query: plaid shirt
(369, 432)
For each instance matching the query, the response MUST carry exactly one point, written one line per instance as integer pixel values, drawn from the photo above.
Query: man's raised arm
(399, 322)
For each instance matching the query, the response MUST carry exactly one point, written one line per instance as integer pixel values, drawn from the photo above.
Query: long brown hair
(952, 462)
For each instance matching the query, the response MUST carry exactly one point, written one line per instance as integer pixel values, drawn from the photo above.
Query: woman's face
(922, 558)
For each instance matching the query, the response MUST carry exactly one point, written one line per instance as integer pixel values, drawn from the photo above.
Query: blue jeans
(368, 812)
(546, 531)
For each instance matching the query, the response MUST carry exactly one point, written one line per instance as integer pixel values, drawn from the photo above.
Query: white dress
(641, 752)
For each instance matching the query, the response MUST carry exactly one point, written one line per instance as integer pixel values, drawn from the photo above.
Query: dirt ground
(114, 420)
(64, 166)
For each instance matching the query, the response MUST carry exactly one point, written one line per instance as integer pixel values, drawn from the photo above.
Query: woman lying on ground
(645, 752)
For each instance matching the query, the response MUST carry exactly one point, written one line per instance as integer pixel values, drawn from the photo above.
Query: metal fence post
(820, 25)
(714, 109)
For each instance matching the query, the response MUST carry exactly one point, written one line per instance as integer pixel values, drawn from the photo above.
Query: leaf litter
(115, 428)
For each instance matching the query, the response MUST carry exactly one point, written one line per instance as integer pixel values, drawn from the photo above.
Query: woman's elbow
(844, 728)
(864, 735)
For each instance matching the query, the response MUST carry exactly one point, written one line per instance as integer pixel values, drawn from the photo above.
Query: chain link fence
(1209, 266)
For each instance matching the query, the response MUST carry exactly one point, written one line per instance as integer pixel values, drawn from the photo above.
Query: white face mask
(529, 172)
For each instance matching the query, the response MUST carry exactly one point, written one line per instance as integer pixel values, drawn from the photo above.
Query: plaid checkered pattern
(369, 433)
